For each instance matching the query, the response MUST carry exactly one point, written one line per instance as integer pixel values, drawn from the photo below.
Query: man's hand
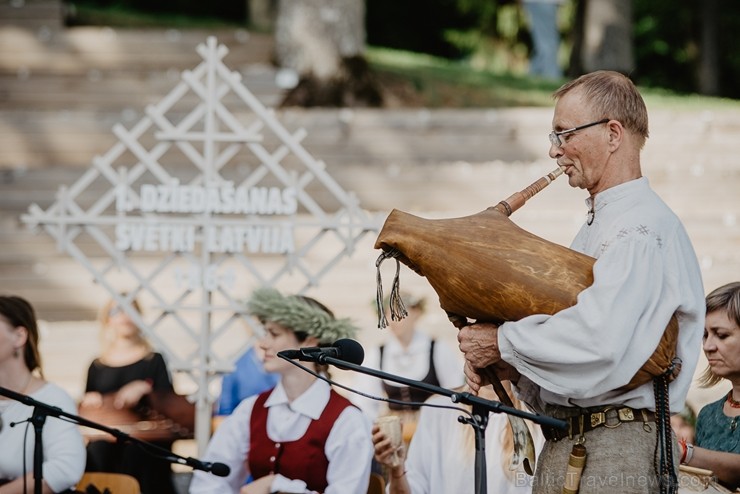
(479, 344)
(475, 381)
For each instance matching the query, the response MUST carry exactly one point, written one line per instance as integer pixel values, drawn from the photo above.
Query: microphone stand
(43, 410)
(481, 408)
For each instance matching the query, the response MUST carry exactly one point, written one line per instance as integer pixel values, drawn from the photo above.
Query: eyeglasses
(555, 136)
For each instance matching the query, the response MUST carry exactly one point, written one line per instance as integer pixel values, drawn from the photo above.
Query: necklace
(733, 404)
(731, 401)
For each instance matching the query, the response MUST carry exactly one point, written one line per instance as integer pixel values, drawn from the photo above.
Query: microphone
(345, 349)
(218, 469)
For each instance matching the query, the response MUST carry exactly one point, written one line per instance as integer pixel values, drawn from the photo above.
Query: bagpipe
(485, 268)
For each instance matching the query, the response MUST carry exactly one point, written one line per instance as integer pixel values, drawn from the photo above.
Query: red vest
(303, 459)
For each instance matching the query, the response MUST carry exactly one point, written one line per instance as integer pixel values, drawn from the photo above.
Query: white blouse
(441, 457)
(64, 450)
(349, 446)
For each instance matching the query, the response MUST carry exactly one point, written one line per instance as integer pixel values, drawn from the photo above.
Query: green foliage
(490, 35)
(484, 11)
(668, 38)
(493, 35)
(163, 13)
(501, 40)
(417, 25)
(439, 82)
(665, 52)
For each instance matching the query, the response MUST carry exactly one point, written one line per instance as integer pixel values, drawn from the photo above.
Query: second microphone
(345, 349)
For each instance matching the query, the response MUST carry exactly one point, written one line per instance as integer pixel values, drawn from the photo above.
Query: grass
(437, 82)
(117, 16)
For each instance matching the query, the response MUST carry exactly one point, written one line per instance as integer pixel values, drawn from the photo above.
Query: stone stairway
(60, 97)
(61, 92)
(40, 16)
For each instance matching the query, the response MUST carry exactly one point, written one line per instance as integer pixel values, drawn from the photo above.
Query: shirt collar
(311, 403)
(613, 194)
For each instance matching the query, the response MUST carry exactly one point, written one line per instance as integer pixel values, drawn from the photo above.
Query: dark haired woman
(20, 372)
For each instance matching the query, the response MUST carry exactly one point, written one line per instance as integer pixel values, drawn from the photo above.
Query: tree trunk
(262, 14)
(323, 42)
(709, 59)
(607, 42)
(575, 63)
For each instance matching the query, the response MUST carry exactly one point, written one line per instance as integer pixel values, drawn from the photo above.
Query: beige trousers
(618, 461)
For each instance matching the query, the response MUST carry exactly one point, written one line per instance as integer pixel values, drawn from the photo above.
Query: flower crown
(299, 315)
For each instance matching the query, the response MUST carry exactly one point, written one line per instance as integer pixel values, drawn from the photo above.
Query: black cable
(25, 436)
(378, 398)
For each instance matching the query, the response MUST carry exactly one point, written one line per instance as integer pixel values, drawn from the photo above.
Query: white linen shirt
(412, 363)
(349, 446)
(646, 270)
(64, 450)
(441, 457)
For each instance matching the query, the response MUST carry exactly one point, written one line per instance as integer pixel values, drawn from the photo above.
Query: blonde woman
(441, 456)
(125, 373)
(717, 446)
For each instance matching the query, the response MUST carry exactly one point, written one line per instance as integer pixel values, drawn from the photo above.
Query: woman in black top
(123, 377)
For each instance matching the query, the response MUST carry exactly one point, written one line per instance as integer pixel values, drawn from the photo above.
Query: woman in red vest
(301, 436)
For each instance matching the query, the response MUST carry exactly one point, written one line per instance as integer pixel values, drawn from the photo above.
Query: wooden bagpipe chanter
(485, 268)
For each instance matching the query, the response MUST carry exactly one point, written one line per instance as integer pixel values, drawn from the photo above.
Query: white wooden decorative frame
(205, 198)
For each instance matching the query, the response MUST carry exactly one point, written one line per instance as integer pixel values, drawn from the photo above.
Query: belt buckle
(600, 418)
(626, 414)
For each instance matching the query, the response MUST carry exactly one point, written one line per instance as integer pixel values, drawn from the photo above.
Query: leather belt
(610, 417)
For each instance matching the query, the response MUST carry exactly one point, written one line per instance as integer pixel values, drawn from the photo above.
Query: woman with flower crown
(301, 436)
